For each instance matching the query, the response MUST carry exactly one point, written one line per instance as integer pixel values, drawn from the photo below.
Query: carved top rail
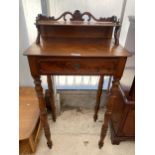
(77, 16)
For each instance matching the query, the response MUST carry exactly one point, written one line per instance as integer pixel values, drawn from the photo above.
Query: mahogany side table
(76, 47)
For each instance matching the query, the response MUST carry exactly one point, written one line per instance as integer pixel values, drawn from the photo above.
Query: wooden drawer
(77, 66)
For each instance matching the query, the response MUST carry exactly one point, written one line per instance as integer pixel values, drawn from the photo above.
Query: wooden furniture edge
(78, 16)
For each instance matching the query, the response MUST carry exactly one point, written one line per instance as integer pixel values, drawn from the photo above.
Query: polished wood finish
(51, 97)
(76, 66)
(122, 123)
(83, 47)
(103, 27)
(74, 49)
(99, 93)
(111, 100)
(43, 110)
(29, 122)
(98, 96)
(76, 16)
(27, 117)
(29, 145)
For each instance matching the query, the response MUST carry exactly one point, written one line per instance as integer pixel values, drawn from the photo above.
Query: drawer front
(76, 66)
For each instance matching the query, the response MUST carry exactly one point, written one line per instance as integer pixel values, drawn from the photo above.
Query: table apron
(77, 66)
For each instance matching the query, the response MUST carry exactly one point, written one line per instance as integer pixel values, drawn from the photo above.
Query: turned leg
(109, 82)
(98, 97)
(108, 112)
(43, 110)
(51, 96)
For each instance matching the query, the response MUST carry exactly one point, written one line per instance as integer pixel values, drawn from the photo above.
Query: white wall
(24, 72)
(27, 35)
(129, 11)
(104, 8)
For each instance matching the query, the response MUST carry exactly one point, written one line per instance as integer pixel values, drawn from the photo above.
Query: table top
(28, 112)
(82, 47)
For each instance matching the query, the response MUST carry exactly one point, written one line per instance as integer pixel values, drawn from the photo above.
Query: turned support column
(43, 110)
(51, 96)
(109, 82)
(108, 112)
(98, 97)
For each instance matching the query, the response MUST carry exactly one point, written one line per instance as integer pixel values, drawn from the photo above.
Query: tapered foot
(115, 142)
(49, 144)
(95, 117)
(54, 119)
(100, 144)
(53, 113)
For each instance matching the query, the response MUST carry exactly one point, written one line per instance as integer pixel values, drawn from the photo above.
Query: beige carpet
(75, 133)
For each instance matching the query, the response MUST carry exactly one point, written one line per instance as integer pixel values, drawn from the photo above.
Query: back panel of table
(76, 31)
